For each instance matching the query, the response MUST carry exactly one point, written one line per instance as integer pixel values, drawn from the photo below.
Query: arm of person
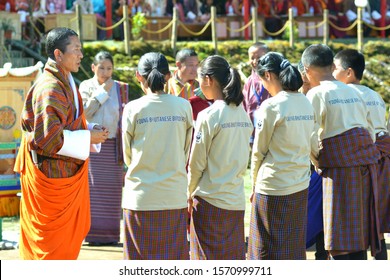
(50, 119)
(319, 115)
(95, 148)
(371, 127)
(265, 125)
(127, 134)
(203, 135)
(79, 143)
(189, 132)
(93, 100)
(314, 142)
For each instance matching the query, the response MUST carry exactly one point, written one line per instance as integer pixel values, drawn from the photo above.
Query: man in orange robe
(53, 157)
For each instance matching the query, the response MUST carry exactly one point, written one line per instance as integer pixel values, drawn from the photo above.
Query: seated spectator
(191, 10)
(271, 13)
(117, 15)
(376, 14)
(85, 6)
(58, 8)
(236, 7)
(336, 16)
(350, 10)
(24, 5)
(205, 10)
(178, 4)
(140, 6)
(299, 7)
(158, 7)
(99, 7)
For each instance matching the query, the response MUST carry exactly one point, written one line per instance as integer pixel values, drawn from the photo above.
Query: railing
(253, 25)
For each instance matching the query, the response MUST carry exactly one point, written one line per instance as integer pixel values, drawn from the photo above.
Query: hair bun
(284, 64)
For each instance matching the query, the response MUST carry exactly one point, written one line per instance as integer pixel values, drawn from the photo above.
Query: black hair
(288, 75)
(183, 54)
(318, 55)
(353, 59)
(227, 77)
(153, 67)
(58, 38)
(102, 55)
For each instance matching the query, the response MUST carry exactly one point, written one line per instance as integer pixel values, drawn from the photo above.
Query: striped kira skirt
(383, 169)
(216, 234)
(105, 186)
(278, 227)
(155, 235)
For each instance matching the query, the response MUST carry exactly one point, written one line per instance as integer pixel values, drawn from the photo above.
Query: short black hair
(183, 54)
(58, 38)
(153, 67)
(102, 55)
(318, 55)
(288, 75)
(353, 59)
(227, 77)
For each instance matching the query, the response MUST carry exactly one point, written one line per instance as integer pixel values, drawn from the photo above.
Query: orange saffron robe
(55, 212)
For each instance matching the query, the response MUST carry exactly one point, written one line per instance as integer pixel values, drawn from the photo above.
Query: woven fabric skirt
(105, 184)
(278, 227)
(215, 233)
(155, 235)
(346, 200)
(383, 169)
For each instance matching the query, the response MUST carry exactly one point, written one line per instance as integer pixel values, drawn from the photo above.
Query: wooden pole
(291, 25)
(254, 24)
(360, 29)
(126, 29)
(79, 23)
(214, 28)
(174, 30)
(326, 27)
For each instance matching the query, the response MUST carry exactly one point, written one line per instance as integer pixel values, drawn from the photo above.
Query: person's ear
(93, 67)
(267, 75)
(207, 81)
(139, 77)
(167, 76)
(178, 64)
(58, 55)
(350, 73)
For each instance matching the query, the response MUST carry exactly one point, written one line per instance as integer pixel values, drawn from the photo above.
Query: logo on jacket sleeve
(259, 124)
(198, 137)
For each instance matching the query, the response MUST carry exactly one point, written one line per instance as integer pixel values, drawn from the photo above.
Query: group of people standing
(186, 144)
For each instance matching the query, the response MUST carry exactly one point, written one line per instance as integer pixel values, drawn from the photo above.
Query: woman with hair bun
(218, 161)
(280, 165)
(103, 100)
(157, 131)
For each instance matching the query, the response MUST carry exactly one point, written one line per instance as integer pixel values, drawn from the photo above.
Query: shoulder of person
(121, 83)
(86, 81)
